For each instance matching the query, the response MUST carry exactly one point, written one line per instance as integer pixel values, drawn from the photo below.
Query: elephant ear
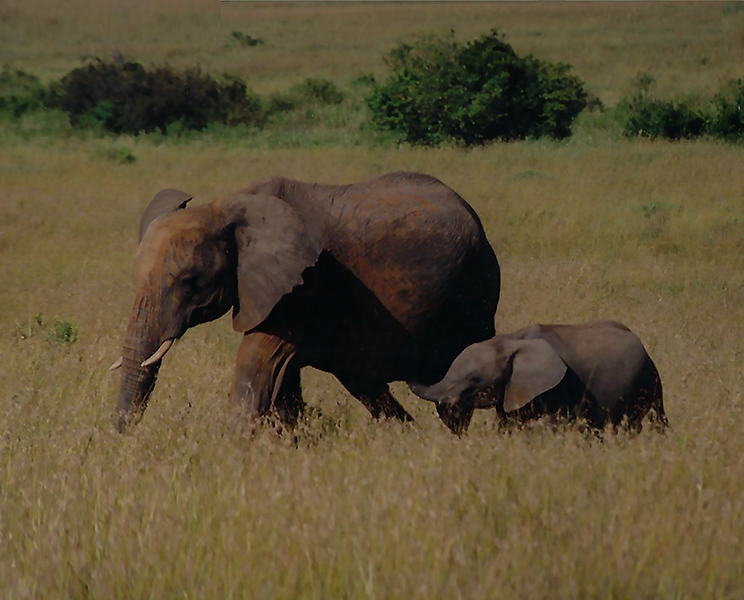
(274, 247)
(163, 202)
(536, 368)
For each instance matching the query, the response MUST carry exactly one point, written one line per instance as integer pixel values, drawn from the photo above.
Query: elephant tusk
(164, 347)
(116, 364)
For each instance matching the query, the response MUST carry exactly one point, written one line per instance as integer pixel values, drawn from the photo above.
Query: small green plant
(656, 214)
(530, 174)
(64, 332)
(34, 325)
(594, 103)
(438, 90)
(246, 40)
(643, 82)
(119, 155)
(652, 208)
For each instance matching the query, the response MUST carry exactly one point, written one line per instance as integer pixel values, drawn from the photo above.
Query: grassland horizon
(646, 232)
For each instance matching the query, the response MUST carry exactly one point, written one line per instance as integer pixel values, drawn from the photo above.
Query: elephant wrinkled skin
(379, 281)
(599, 371)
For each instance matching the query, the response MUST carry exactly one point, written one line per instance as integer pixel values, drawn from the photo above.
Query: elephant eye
(190, 283)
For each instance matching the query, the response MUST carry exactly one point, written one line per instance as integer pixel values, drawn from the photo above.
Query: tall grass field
(599, 226)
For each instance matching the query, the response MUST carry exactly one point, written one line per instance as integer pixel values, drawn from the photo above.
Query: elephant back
(409, 240)
(606, 356)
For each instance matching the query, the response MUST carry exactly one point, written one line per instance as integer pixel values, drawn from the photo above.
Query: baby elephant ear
(536, 368)
(163, 202)
(274, 247)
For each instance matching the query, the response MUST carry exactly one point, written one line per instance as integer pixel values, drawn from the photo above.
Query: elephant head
(505, 370)
(194, 264)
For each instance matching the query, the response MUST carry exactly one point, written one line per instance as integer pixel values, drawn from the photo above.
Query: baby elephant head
(514, 372)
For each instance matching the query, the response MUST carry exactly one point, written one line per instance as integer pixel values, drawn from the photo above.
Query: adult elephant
(384, 280)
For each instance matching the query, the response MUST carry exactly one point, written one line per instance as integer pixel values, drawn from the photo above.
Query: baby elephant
(596, 371)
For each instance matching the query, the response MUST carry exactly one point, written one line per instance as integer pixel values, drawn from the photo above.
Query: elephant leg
(262, 365)
(658, 417)
(649, 401)
(391, 408)
(376, 398)
(456, 416)
(289, 403)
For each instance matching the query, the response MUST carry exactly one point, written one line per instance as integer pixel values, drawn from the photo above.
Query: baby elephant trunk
(441, 393)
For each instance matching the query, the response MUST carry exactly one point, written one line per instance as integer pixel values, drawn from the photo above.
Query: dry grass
(184, 505)
(647, 233)
(607, 43)
(689, 47)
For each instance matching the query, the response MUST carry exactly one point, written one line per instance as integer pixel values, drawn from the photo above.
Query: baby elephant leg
(652, 400)
(456, 416)
(647, 400)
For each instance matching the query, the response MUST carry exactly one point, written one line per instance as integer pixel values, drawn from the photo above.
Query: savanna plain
(650, 233)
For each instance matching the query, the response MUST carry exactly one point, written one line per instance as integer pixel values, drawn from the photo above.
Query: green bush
(320, 90)
(247, 40)
(645, 115)
(308, 93)
(728, 120)
(124, 97)
(656, 118)
(20, 92)
(438, 90)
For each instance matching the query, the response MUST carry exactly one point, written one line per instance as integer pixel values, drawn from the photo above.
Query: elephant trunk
(439, 392)
(137, 382)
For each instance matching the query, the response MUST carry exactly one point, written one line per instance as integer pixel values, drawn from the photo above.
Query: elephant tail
(659, 418)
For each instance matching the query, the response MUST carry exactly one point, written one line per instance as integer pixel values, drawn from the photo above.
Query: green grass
(649, 233)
